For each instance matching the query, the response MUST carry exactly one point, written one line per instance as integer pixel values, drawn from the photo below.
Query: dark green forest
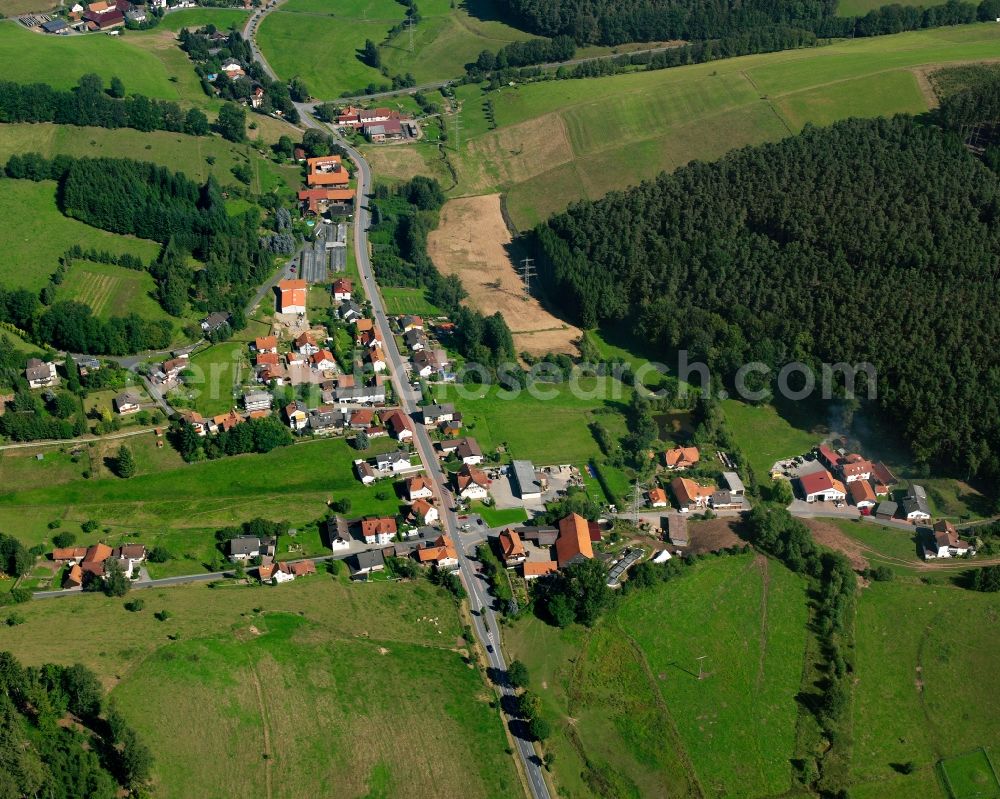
(871, 240)
(57, 740)
(611, 23)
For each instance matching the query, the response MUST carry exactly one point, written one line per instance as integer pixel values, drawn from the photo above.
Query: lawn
(220, 371)
(558, 141)
(181, 505)
(408, 301)
(311, 689)
(195, 156)
(319, 40)
(632, 718)
(33, 245)
(550, 428)
(926, 686)
(497, 517)
(765, 436)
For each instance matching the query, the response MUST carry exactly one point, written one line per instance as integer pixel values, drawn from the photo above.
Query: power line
(409, 26)
(528, 272)
(458, 131)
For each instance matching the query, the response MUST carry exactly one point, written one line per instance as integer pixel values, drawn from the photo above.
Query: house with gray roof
(364, 563)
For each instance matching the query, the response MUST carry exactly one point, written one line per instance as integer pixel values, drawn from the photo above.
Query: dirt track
(471, 241)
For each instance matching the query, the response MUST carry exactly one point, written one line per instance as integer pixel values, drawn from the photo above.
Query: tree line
(809, 250)
(44, 756)
(90, 104)
(613, 23)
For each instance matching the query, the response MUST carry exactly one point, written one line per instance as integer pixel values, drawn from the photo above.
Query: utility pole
(409, 27)
(635, 505)
(701, 674)
(528, 272)
(458, 132)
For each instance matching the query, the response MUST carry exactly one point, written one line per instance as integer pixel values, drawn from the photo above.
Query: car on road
(489, 648)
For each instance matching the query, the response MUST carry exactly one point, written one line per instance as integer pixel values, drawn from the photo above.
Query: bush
(162, 615)
(134, 605)
(15, 619)
(159, 554)
(89, 526)
(63, 540)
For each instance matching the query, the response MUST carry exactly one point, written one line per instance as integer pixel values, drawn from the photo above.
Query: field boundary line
(264, 723)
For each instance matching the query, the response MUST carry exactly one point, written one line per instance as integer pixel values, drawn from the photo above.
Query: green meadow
(632, 718)
(558, 141)
(112, 290)
(302, 690)
(36, 234)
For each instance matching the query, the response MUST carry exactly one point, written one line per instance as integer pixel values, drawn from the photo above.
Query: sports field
(561, 140)
(36, 234)
(308, 689)
(631, 716)
(319, 40)
(926, 687)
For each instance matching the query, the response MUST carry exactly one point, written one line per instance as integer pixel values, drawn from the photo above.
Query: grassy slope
(318, 40)
(32, 245)
(638, 711)
(358, 690)
(850, 8)
(177, 151)
(765, 436)
(112, 290)
(561, 140)
(926, 684)
(180, 505)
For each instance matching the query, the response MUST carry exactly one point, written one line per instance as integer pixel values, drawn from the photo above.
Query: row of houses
(224, 422)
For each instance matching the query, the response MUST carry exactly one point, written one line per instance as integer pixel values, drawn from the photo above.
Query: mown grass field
(313, 688)
(180, 505)
(926, 688)
(765, 436)
(318, 40)
(112, 290)
(563, 140)
(630, 714)
(36, 234)
(408, 301)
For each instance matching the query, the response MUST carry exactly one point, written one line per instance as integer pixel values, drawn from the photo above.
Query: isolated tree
(125, 463)
(232, 122)
(987, 579)
(361, 441)
(370, 54)
(64, 539)
(517, 673)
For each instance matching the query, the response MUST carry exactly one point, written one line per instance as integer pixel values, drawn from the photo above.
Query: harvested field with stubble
(471, 241)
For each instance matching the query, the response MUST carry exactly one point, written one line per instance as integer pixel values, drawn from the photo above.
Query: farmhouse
(40, 374)
(127, 402)
(378, 530)
(511, 548)
(267, 344)
(862, 494)
(725, 500)
(915, 505)
(854, 468)
(524, 479)
(882, 478)
(326, 171)
(432, 414)
(389, 130)
(689, 495)
(944, 542)
(292, 296)
(472, 483)
(657, 498)
(682, 457)
(821, 487)
(573, 544)
(828, 457)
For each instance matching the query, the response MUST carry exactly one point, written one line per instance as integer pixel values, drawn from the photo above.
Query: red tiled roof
(816, 481)
(682, 456)
(510, 544)
(574, 539)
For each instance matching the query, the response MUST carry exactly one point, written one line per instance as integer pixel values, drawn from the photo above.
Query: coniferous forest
(872, 240)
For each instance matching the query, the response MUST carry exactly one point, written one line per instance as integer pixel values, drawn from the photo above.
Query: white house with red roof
(820, 486)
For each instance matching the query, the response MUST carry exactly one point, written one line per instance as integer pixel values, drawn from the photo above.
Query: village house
(248, 547)
(377, 360)
(323, 361)
(361, 418)
(443, 554)
(343, 289)
(511, 548)
(40, 374)
(423, 512)
(828, 457)
(432, 414)
(257, 98)
(349, 311)
(408, 323)
(325, 171)
(862, 494)
(392, 462)
(305, 344)
(267, 344)
(326, 419)
(915, 505)
(883, 480)
(365, 563)
(573, 543)
(257, 401)
(415, 340)
(465, 449)
(291, 296)
(820, 486)
(533, 569)
(127, 402)
(297, 416)
(338, 534)
(361, 395)
(689, 495)
(214, 322)
(854, 467)
(472, 483)
(681, 457)
(366, 474)
(398, 423)
(233, 70)
(169, 371)
(418, 487)
(196, 420)
(315, 202)
(725, 500)
(378, 530)
(944, 542)
(657, 498)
